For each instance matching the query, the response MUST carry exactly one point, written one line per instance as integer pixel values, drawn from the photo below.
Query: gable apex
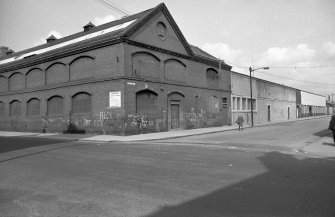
(161, 8)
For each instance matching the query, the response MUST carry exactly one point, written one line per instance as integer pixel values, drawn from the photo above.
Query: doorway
(288, 112)
(269, 112)
(175, 106)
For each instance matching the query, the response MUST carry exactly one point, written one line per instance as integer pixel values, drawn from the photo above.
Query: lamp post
(252, 106)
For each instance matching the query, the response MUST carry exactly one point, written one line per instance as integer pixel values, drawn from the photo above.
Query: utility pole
(333, 99)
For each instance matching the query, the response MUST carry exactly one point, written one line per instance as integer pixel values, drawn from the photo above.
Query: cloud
(99, 21)
(329, 48)
(222, 51)
(54, 33)
(301, 55)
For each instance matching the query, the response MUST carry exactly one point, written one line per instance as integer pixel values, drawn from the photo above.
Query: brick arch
(212, 78)
(146, 102)
(176, 104)
(16, 81)
(3, 84)
(35, 78)
(174, 70)
(55, 105)
(145, 64)
(176, 93)
(81, 103)
(212, 74)
(15, 108)
(82, 67)
(56, 73)
(33, 107)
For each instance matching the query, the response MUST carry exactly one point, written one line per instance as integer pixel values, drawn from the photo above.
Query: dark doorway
(269, 112)
(174, 115)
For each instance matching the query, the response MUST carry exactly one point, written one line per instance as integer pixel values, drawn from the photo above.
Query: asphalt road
(251, 173)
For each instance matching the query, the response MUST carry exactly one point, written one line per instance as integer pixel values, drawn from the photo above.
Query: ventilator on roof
(88, 26)
(51, 39)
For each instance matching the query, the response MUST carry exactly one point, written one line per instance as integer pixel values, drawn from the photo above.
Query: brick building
(133, 75)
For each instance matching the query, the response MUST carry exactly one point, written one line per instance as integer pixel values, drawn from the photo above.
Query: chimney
(88, 26)
(9, 52)
(51, 38)
(3, 51)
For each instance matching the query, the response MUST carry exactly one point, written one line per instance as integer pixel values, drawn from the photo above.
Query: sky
(295, 38)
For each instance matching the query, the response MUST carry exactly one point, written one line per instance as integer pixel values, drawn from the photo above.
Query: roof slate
(139, 20)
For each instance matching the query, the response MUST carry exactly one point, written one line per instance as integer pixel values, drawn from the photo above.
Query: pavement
(320, 146)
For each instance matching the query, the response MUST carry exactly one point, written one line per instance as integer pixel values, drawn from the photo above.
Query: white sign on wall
(115, 99)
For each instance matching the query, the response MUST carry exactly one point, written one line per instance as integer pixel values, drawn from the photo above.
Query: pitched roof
(112, 29)
(201, 52)
(123, 27)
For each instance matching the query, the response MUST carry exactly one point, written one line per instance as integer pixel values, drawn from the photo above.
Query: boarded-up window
(2, 109)
(15, 108)
(213, 104)
(3, 84)
(212, 78)
(81, 68)
(55, 106)
(211, 74)
(145, 64)
(57, 73)
(81, 103)
(33, 107)
(35, 78)
(196, 104)
(16, 82)
(174, 70)
(146, 102)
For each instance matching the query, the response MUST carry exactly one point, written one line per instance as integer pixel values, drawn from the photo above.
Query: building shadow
(324, 133)
(290, 187)
(8, 144)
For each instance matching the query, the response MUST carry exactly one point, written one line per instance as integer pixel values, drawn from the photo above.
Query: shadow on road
(324, 133)
(16, 143)
(290, 187)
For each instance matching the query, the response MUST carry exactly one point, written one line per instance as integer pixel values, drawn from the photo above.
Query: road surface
(257, 172)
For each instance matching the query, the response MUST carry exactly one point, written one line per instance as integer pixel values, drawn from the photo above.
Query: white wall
(312, 99)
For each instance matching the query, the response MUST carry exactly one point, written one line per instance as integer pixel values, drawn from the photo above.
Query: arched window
(16, 82)
(82, 67)
(34, 78)
(3, 84)
(145, 64)
(15, 108)
(33, 107)
(211, 74)
(56, 73)
(81, 103)
(174, 70)
(55, 106)
(146, 102)
(2, 109)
